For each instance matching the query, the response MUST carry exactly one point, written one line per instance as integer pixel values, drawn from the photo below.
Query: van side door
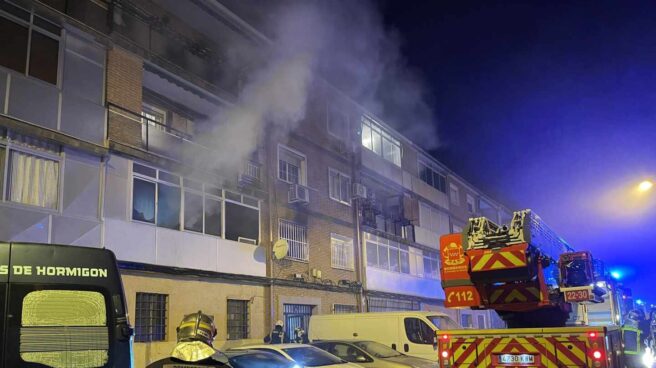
(419, 338)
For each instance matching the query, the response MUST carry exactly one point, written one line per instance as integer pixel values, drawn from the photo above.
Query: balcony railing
(133, 129)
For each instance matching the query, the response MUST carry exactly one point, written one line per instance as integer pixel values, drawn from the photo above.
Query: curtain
(34, 180)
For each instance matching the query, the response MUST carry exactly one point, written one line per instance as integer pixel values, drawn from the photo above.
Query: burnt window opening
(242, 222)
(41, 60)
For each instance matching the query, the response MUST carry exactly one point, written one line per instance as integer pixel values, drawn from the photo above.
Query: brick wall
(124, 89)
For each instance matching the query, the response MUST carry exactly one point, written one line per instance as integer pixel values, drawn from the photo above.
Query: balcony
(390, 221)
(128, 128)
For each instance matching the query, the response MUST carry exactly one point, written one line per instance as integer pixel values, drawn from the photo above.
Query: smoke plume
(344, 43)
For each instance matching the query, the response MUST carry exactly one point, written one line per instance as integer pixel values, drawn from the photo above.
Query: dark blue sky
(550, 106)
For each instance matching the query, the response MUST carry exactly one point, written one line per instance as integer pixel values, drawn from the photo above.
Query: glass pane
(366, 136)
(394, 259)
(388, 151)
(212, 217)
(78, 318)
(168, 206)
(333, 185)
(241, 222)
(383, 257)
(345, 190)
(13, 53)
(173, 179)
(372, 254)
(292, 173)
(44, 56)
(282, 170)
(193, 212)
(405, 262)
(143, 201)
(144, 170)
(427, 267)
(376, 142)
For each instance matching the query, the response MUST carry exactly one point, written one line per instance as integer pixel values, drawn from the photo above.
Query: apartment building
(106, 140)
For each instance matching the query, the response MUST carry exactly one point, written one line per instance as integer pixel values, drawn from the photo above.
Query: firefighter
(299, 335)
(277, 335)
(195, 335)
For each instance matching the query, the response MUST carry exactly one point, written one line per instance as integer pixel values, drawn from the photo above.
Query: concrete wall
(187, 296)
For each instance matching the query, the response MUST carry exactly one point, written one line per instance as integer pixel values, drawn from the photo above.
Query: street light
(645, 185)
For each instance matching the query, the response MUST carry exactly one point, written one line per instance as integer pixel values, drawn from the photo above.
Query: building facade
(107, 139)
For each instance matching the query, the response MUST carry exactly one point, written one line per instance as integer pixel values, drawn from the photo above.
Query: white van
(412, 333)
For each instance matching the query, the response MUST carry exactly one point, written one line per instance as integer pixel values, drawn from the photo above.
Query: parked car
(410, 332)
(257, 359)
(372, 354)
(304, 355)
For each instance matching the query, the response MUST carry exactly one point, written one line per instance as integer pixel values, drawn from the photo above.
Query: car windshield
(260, 359)
(377, 349)
(310, 356)
(444, 323)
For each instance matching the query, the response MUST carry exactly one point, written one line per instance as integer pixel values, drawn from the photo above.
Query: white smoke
(342, 42)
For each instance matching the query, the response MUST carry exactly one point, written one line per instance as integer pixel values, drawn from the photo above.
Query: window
(431, 265)
(481, 322)
(454, 194)
(471, 203)
(151, 317)
(156, 197)
(466, 320)
(433, 219)
(238, 319)
(42, 37)
(154, 116)
(81, 327)
(396, 257)
(419, 331)
(32, 179)
(339, 186)
(291, 166)
(341, 251)
(242, 218)
(337, 122)
(380, 142)
(377, 304)
(432, 177)
(296, 236)
(344, 308)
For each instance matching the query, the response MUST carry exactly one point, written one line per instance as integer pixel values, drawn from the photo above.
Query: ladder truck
(534, 280)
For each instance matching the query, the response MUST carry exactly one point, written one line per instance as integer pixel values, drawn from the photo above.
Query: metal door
(297, 315)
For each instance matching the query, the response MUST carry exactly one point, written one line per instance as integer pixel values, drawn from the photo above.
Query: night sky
(550, 106)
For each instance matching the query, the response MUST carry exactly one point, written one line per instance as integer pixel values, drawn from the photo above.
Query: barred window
(377, 304)
(238, 319)
(344, 308)
(341, 252)
(296, 236)
(151, 317)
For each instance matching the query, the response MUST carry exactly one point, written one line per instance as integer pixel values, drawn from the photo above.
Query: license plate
(516, 359)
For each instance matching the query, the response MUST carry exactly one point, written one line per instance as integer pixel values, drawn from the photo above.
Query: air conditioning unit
(359, 190)
(298, 194)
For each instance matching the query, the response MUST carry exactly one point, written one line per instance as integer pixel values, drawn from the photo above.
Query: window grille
(151, 317)
(238, 320)
(341, 252)
(377, 304)
(296, 236)
(344, 308)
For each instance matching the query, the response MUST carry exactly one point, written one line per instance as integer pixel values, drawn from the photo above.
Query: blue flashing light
(616, 275)
(640, 302)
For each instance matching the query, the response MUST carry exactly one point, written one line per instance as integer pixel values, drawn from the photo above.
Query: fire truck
(534, 280)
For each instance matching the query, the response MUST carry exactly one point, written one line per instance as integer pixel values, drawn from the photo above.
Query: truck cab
(62, 306)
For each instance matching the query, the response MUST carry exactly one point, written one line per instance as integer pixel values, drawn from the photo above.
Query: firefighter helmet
(196, 333)
(197, 327)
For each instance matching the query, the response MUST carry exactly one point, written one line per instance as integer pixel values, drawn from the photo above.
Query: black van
(62, 306)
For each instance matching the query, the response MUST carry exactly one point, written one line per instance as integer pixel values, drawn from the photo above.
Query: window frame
(412, 253)
(421, 331)
(454, 189)
(32, 27)
(305, 244)
(244, 204)
(472, 203)
(441, 183)
(8, 145)
(350, 250)
(245, 320)
(383, 135)
(165, 316)
(302, 170)
(340, 176)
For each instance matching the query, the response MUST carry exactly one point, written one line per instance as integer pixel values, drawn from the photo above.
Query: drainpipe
(360, 274)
